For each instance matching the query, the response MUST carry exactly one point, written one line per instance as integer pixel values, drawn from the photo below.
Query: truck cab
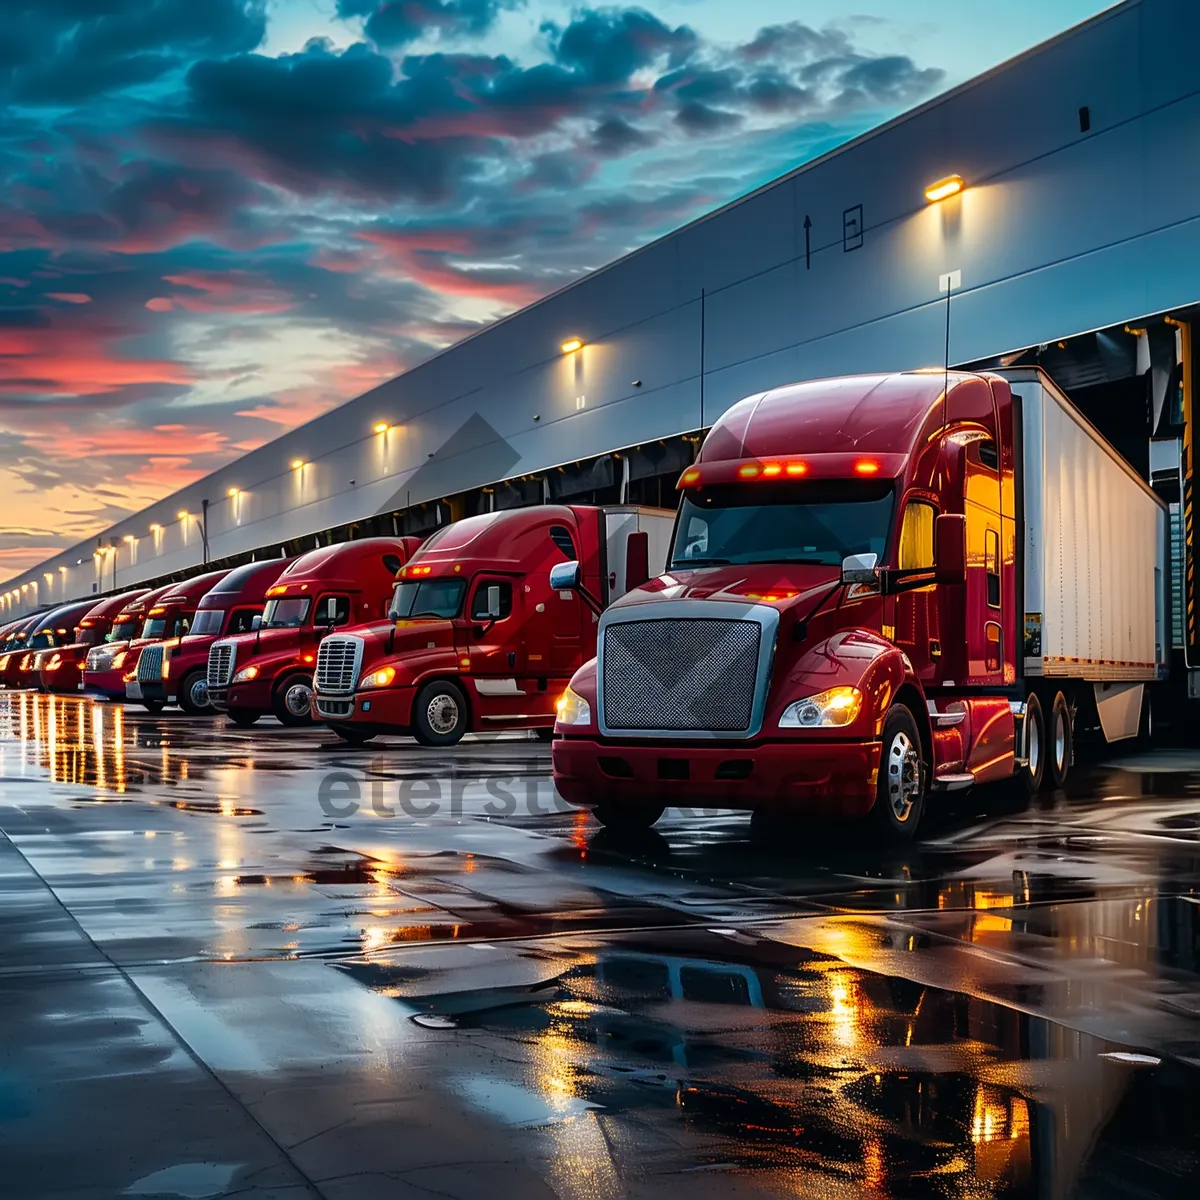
(16, 636)
(105, 666)
(873, 597)
(51, 629)
(475, 637)
(62, 671)
(169, 617)
(175, 671)
(271, 669)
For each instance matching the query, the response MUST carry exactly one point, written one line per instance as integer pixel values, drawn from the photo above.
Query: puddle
(192, 1180)
(515, 1105)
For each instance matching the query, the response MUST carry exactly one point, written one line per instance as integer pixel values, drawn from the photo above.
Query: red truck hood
(785, 586)
(411, 636)
(269, 641)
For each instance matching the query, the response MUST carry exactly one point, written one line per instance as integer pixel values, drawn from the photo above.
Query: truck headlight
(246, 674)
(838, 706)
(573, 709)
(381, 678)
(117, 662)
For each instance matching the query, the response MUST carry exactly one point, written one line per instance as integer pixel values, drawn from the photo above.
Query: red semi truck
(105, 666)
(878, 591)
(271, 669)
(16, 636)
(62, 671)
(475, 637)
(175, 671)
(53, 628)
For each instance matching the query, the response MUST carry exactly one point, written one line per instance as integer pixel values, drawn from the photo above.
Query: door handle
(512, 658)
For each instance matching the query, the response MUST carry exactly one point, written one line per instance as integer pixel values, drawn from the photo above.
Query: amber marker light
(795, 469)
(692, 476)
(571, 345)
(771, 470)
(944, 188)
(866, 466)
(748, 472)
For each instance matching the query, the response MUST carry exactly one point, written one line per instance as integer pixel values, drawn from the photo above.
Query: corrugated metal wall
(1059, 231)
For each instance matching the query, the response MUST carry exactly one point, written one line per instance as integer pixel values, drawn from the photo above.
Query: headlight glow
(573, 709)
(117, 662)
(246, 674)
(379, 678)
(54, 663)
(836, 707)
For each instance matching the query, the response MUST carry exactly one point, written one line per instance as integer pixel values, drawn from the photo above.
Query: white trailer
(1094, 557)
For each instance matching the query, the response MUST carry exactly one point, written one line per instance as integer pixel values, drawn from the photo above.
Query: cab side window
(479, 603)
(242, 620)
(916, 536)
(332, 610)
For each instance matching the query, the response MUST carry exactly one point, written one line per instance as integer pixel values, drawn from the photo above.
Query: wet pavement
(258, 963)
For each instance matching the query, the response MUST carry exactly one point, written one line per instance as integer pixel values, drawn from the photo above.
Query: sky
(221, 218)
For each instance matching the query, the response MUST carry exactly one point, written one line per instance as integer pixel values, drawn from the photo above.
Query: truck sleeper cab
(876, 595)
(176, 670)
(271, 669)
(105, 666)
(11, 652)
(169, 617)
(476, 638)
(62, 671)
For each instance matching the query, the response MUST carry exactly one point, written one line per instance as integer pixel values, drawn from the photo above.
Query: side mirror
(255, 622)
(860, 568)
(564, 577)
(493, 602)
(950, 548)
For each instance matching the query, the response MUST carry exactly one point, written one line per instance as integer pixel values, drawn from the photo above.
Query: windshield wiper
(702, 562)
(805, 562)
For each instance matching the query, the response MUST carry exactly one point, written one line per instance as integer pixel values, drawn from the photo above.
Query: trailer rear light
(866, 466)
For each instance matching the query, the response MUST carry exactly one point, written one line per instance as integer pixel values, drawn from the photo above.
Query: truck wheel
(1029, 777)
(439, 714)
(628, 818)
(153, 706)
(352, 735)
(193, 693)
(1060, 743)
(291, 701)
(900, 792)
(243, 718)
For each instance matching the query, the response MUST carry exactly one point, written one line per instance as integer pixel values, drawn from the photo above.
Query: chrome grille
(338, 660)
(696, 673)
(220, 664)
(149, 667)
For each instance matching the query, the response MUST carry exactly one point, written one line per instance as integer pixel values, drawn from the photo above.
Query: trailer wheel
(352, 735)
(193, 693)
(1061, 741)
(243, 718)
(628, 818)
(900, 792)
(1033, 749)
(440, 714)
(291, 701)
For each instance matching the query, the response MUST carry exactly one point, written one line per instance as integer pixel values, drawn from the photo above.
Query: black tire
(352, 735)
(243, 718)
(153, 706)
(193, 685)
(903, 777)
(1033, 736)
(291, 701)
(628, 818)
(440, 716)
(1147, 734)
(1060, 742)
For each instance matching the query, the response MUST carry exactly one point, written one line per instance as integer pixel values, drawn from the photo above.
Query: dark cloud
(615, 136)
(609, 45)
(392, 23)
(795, 41)
(63, 52)
(892, 80)
(699, 120)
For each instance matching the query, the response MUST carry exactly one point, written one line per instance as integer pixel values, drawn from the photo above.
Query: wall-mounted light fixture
(944, 188)
(571, 345)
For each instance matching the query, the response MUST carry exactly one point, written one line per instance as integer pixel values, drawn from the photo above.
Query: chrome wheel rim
(442, 714)
(1033, 745)
(1060, 739)
(199, 693)
(297, 699)
(903, 776)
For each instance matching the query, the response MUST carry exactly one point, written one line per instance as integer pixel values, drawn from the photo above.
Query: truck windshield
(208, 621)
(287, 613)
(159, 628)
(819, 522)
(429, 598)
(87, 637)
(122, 630)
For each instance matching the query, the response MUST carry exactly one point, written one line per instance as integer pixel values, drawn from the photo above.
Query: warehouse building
(1046, 211)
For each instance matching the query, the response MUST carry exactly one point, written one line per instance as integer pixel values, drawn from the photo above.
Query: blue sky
(220, 218)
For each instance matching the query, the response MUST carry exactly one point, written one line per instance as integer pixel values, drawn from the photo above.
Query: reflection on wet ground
(454, 986)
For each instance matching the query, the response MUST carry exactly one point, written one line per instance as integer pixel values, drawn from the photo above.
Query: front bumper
(110, 683)
(254, 695)
(835, 779)
(382, 708)
(66, 677)
(154, 690)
